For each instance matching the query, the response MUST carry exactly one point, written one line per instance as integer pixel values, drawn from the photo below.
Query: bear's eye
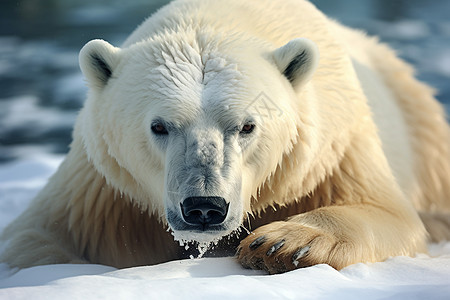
(159, 129)
(247, 128)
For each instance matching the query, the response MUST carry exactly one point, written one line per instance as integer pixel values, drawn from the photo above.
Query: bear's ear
(297, 60)
(97, 62)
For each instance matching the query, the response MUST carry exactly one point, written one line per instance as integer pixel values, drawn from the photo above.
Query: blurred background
(41, 87)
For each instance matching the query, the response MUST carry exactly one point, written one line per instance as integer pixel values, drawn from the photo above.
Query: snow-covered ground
(421, 277)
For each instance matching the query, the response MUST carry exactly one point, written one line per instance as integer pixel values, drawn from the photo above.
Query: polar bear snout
(203, 186)
(204, 211)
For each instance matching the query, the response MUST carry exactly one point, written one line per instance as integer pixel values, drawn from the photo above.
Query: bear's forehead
(182, 75)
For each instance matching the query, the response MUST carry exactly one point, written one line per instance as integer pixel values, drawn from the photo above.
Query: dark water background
(41, 87)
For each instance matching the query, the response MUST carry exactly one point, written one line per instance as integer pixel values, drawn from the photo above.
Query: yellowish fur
(96, 224)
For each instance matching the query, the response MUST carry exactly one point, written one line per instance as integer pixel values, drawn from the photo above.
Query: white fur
(391, 125)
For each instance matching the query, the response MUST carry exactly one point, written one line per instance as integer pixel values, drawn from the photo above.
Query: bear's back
(265, 19)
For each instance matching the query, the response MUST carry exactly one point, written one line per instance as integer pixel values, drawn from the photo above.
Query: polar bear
(263, 124)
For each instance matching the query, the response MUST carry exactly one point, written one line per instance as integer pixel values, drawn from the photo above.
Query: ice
(441, 64)
(70, 89)
(223, 278)
(403, 29)
(93, 15)
(42, 275)
(20, 181)
(24, 112)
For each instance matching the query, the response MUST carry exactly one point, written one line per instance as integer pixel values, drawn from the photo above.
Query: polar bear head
(190, 127)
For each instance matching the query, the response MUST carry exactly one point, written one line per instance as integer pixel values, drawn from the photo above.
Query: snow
(25, 112)
(426, 276)
(403, 29)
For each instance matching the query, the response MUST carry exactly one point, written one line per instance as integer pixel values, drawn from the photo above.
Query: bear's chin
(201, 237)
(185, 233)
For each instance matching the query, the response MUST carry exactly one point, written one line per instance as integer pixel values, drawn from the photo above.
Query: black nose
(204, 210)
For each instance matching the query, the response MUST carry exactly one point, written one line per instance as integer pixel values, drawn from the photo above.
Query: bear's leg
(334, 235)
(34, 247)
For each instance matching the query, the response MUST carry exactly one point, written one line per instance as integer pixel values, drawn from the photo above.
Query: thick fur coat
(215, 116)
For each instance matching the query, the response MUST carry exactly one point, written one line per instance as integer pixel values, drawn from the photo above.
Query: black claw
(256, 243)
(299, 254)
(275, 247)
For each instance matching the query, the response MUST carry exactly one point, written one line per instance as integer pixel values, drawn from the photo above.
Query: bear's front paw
(283, 246)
